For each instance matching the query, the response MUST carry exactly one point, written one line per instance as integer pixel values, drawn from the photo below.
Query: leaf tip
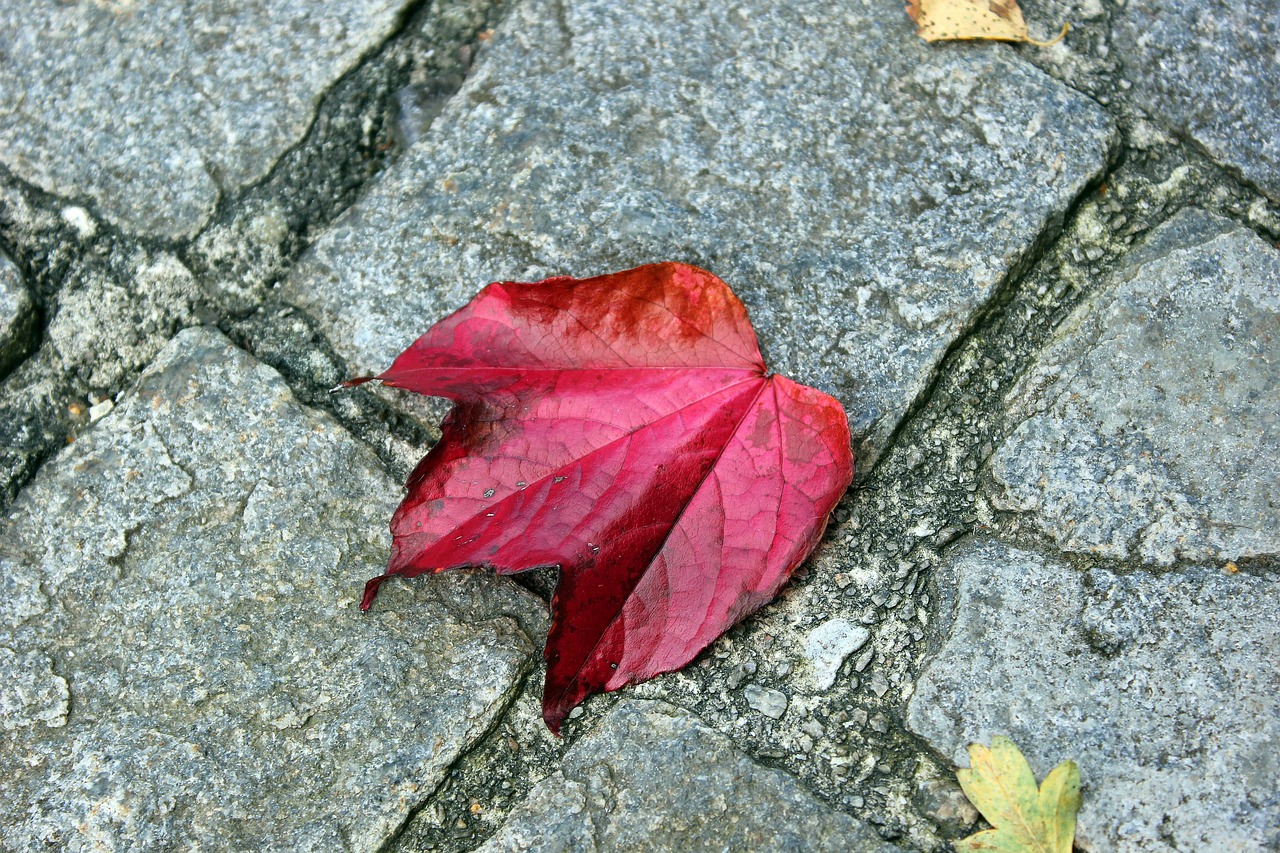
(554, 717)
(371, 592)
(351, 383)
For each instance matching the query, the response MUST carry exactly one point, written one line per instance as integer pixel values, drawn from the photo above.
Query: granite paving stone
(186, 664)
(1142, 425)
(154, 110)
(863, 193)
(1209, 69)
(1164, 687)
(108, 327)
(652, 777)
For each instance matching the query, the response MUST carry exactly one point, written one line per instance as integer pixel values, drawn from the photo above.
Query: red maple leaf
(625, 429)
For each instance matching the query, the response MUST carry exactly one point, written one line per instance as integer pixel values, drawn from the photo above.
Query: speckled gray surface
(1210, 70)
(186, 665)
(1164, 687)
(106, 328)
(981, 249)
(17, 314)
(1143, 424)
(863, 194)
(153, 110)
(652, 777)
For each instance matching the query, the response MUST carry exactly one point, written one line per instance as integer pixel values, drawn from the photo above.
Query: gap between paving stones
(354, 134)
(252, 238)
(490, 779)
(525, 693)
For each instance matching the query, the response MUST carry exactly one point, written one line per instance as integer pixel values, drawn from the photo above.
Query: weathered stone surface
(17, 315)
(153, 110)
(109, 327)
(652, 777)
(862, 192)
(191, 667)
(1164, 687)
(1210, 69)
(1149, 424)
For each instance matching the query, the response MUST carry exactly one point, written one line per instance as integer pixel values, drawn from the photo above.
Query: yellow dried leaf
(997, 20)
(1024, 819)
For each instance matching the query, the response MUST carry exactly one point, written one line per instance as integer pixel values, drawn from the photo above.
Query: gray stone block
(1210, 69)
(652, 777)
(1150, 425)
(1165, 688)
(863, 192)
(186, 666)
(154, 110)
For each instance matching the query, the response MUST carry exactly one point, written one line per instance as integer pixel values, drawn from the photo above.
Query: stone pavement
(1045, 284)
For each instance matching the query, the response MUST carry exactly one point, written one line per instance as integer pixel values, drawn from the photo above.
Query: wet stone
(192, 671)
(154, 110)
(652, 777)
(862, 192)
(1210, 70)
(1144, 426)
(17, 315)
(1164, 688)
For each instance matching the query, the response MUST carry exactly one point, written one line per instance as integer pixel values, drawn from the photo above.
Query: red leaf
(625, 429)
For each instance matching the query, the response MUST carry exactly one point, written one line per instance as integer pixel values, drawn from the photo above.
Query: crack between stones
(508, 700)
(370, 57)
(992, 311)
(52, 255)
(779, 764)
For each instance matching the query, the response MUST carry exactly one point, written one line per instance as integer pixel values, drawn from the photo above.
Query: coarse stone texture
(17, 315)
(109, 324)
(1210, 70)
(32, 693)
(1165, 688)
(154, 110)
(187, 666)
(653, 777)
(1146, 423)
(108, 321)
(863, 193)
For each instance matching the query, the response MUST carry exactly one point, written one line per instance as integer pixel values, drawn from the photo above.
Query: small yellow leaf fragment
(1024, 819)
(954, 20)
